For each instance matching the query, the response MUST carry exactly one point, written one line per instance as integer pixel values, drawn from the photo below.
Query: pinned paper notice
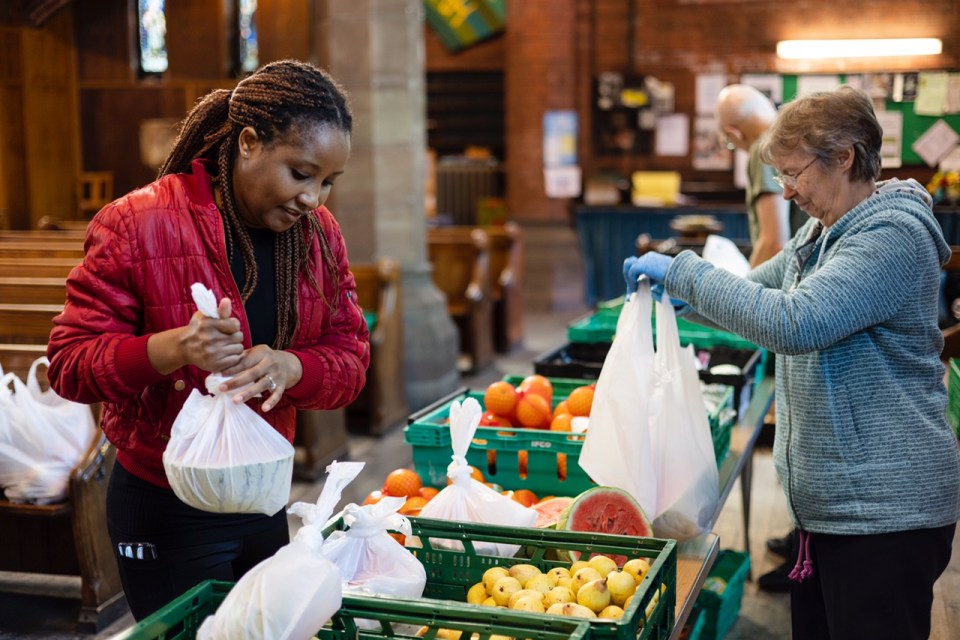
(939, 140)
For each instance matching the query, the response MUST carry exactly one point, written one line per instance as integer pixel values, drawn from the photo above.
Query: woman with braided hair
(239, 208)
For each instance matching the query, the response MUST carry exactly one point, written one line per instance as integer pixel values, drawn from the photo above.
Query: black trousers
(164, 547)
(873, 586)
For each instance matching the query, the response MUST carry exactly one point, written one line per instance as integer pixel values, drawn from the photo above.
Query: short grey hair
(824, 124)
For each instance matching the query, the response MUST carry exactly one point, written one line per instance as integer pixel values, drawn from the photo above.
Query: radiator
(461, 183)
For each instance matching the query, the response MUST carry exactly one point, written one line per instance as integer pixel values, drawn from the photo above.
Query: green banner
(461, 23)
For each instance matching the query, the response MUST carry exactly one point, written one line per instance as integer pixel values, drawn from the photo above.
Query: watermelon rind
(575, 518)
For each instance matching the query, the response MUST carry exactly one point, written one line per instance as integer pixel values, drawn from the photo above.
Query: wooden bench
(382, 403)
(70, 538)
(42, 249)
(33, 235)
(27, 323)
(53, 223)
(37, 267)
(30, 290)
(506, 271)
(461, 270)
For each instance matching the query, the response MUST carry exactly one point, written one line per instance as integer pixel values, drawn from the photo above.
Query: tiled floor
(46, 607)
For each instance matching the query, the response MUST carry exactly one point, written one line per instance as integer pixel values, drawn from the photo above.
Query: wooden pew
(31, 290)
(59, 224)
(461, 270)
(70, 538)
(42, 249)
(506, 271)
(34, 235)
(382, 403)
(27, 323)
(37, 267)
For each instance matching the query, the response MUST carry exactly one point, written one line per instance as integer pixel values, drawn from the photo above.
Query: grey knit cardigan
(862, 444)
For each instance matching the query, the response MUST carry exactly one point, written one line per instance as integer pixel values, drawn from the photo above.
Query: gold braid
(281, 98)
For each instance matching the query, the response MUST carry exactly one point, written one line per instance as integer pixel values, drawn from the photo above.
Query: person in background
(238, 207)
(863, 450)
(743, 115)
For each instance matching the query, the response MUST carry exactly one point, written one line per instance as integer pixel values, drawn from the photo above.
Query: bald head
(744, 110)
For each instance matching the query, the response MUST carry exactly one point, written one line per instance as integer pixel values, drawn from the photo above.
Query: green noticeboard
(461, 23)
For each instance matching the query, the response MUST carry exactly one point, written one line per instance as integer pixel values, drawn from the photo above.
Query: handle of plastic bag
(205, 300)
(32, 383)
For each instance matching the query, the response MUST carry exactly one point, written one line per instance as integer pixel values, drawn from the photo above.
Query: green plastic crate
(451, 573)
(397, 618)
(722, 593)
(551, 456)
(696, 623)
(953, 395)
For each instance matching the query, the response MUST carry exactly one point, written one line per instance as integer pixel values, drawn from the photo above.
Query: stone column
(375, 49)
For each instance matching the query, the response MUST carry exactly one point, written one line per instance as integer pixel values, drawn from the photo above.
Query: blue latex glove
(651, 264)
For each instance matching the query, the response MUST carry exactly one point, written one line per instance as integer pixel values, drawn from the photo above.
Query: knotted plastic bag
(222, 456)
(43, 437)
(688, 480)
(291, 595)
(468, 500)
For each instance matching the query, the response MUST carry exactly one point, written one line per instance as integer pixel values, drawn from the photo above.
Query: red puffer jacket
(142, 254)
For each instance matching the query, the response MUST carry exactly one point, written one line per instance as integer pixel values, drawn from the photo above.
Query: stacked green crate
(722, 593)
(542, 461)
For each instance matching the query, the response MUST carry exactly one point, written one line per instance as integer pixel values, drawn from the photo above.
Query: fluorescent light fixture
(818, 49)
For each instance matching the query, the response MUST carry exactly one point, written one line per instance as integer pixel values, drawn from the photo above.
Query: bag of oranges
(468, 500)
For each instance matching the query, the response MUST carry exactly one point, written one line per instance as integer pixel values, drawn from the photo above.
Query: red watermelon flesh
(605, 510)
(549, 511)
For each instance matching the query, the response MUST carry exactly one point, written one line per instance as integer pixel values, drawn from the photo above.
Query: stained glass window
(153, 36)
(249, 51)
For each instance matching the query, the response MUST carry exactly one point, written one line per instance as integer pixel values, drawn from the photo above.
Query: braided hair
(280, 97)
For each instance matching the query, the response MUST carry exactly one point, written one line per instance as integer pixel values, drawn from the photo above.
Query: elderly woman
(849, 306)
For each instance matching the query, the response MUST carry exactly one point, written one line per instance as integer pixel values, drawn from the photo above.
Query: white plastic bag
(688, 487)
(649, 433)
(618, 450)
(370, 560)
(224, 458)
(466, 499)
(294, 593)
(42, 438)
(724, 253)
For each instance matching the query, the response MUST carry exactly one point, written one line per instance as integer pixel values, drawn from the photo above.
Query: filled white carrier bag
(370, 560)
(468, 500)
(291, 595)
(43, 437)
(688, 487)
(222, 456)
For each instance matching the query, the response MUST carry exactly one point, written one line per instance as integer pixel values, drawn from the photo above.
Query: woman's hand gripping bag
(222, 457)
(688, 480)
(291, 595)
(618, 450)
(466, 499)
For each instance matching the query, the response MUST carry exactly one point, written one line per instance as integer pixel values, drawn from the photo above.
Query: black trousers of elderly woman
(872, 586)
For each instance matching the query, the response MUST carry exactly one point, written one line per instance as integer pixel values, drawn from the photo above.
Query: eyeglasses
(785, 181)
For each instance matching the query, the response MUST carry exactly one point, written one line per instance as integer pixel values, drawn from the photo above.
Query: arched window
(152, 20)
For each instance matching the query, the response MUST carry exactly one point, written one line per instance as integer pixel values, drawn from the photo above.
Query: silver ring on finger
(271, 382)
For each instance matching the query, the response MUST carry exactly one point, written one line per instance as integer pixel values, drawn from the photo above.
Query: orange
(562, 466)
(428, 492)
(561, 408)
(491, 419)
(580, 401)
(373, 498)
(500, 398)
(525, 497)
(532, 411)
(399, 537)
(402, 482)
(539, 385)
(522, 463)
(561, 422)
(412, 506)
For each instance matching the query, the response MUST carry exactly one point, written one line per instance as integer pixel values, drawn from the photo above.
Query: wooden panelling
(105, 33)
(284, 29)
(111, 127)
(199, 39)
